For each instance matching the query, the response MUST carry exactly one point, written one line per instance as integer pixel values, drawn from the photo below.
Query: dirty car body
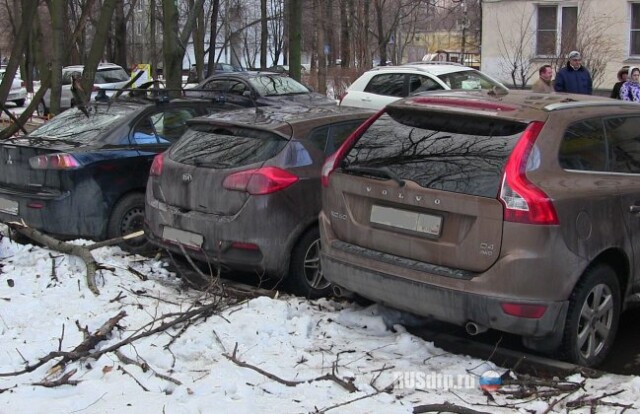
(242, 189)
(517, 213)
(84, 175)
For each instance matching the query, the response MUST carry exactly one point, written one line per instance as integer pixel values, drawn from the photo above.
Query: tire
(305, 273)
(127, 217)
(592, 318)
(19, 103)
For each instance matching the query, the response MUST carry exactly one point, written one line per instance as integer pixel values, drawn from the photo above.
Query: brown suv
(519, 213)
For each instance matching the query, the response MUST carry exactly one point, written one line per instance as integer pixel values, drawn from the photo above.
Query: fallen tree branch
(348, 385)
(63, 380)
(144, 367)
(446, 407)
(60, 246)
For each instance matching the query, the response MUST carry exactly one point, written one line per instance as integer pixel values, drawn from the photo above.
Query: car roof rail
(585, 104)
(435, 62)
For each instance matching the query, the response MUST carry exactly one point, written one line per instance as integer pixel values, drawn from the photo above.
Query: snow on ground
(44, 302)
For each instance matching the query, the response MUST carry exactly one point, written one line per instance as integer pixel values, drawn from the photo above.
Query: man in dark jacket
(574, 78)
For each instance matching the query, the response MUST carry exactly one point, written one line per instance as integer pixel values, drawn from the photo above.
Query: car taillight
(524, 310)
(59, 161)
(332, 162)
(156, 166)
(523, 201)
(259, 181)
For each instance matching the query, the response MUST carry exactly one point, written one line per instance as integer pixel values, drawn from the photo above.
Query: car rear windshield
(461, 154)
(277, 85)
(215, 147)
(73, 126)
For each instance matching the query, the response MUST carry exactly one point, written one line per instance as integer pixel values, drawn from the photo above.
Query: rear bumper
(272, 228)
(60, 214)
(457, 307)
(445, 294)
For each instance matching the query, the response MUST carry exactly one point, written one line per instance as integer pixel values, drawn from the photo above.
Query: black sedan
(252, 89)
(242, 189)
(84, 174)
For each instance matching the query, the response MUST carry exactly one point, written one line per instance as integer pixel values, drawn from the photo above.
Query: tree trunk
(213, 32)
(320, 41)
(97, 47)
(346, 6)
(173, 53)
(295, 39)
(120, 31)
(264, 33)
(152, 31)
(56, 9)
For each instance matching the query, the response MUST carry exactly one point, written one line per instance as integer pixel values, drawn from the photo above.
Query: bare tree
(516, 47)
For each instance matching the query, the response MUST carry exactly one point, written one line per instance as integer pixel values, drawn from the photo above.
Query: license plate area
(8, 206)
(428, 224)
(186, 238)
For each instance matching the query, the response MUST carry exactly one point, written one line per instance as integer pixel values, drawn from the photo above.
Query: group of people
(575, 78)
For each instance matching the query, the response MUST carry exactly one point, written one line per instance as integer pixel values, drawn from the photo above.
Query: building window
(140, 5)
(635, 29)
(557, 30)
(138, 29)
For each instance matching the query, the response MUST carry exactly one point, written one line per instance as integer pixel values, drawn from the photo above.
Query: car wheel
(127, 217)
(19, 103)
(305, 276)
(592, 318)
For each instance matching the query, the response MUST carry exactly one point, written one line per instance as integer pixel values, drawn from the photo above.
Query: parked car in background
(108, 76)
(18, 92)
(242, 190)
(85, 176)
(518, 212)
(219, 67)
(252, 89)
(385, 84)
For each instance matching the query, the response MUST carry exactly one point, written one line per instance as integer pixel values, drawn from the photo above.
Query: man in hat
(574, 78)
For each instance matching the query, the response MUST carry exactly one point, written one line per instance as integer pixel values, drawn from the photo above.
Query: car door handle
(634, 209)
(366, 99)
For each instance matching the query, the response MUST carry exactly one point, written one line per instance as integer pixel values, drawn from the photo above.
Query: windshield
(470, 79)
(276, 85)
(73, 125)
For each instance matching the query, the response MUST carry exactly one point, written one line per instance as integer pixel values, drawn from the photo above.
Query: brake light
(156, 166)
(524, 310)
(332, 162)
(523, 201)
(259, 181)
(60, 161)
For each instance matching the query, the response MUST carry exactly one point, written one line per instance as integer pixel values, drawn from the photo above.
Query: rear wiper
(381, 172)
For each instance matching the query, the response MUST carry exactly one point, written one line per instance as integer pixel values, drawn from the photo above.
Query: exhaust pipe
(473, 328)
(342, 292)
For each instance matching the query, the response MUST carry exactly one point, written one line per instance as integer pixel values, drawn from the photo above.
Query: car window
(277, 85)
(623, 138)
(329, 138)
(215, 147)
(468, 79)
(462, 154)
(73, 126)
(237, 87)
(67, 76)
(421, 83)
(111, 76)
(583, 146)
(216, 85)
(390, 84)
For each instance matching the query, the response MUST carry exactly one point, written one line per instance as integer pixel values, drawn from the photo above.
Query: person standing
(630, 90)
(574, 78)
(544, 84)
(622, 78)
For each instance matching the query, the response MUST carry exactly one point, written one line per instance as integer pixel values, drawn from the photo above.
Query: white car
(108, 76)
(382, 85)
(18, 93)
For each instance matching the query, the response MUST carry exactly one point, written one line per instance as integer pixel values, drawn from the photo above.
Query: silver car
(18, 93)
(108, 76)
